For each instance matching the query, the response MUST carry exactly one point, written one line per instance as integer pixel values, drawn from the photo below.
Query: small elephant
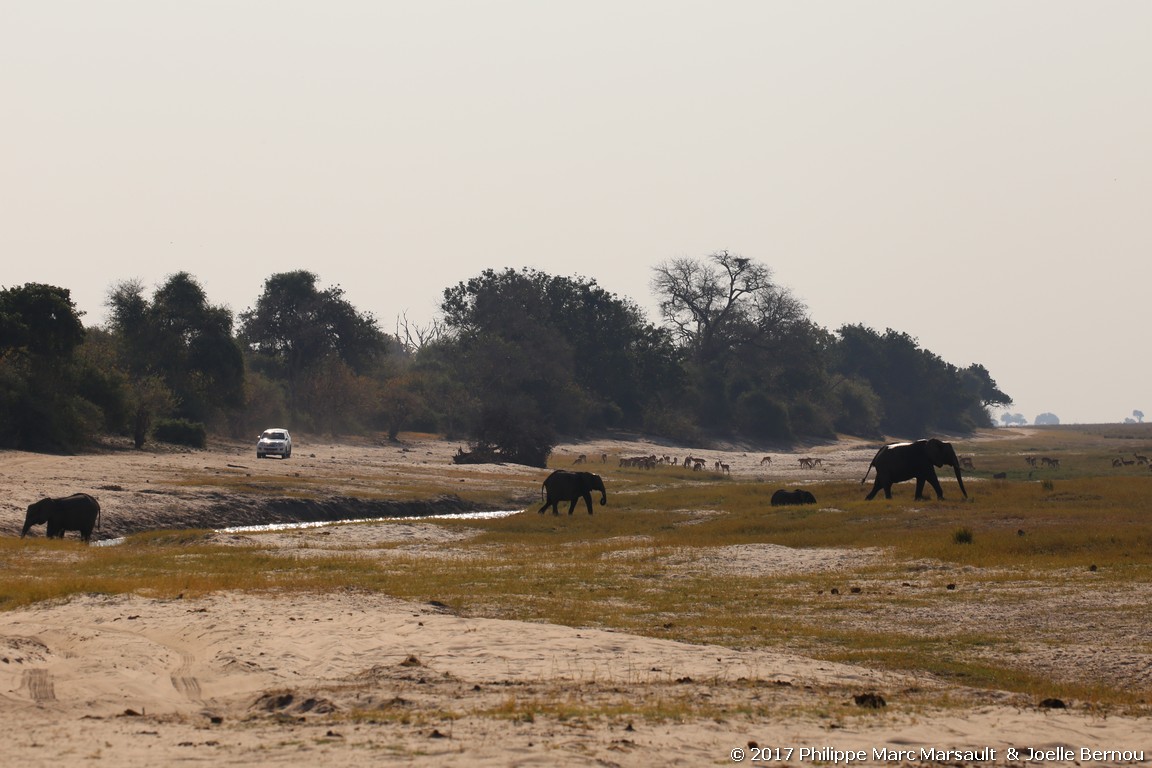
(898, 462)
(783, 498)
(564, 485)
(78, 512)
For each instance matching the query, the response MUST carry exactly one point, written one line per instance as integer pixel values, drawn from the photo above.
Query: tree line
(515, 359)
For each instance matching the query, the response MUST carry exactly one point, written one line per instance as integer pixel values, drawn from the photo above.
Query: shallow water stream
(274, 527)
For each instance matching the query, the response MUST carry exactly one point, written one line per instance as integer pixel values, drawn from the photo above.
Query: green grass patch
(654, 563)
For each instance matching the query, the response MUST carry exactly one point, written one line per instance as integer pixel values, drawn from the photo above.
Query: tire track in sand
(183, 679)
(39, 684)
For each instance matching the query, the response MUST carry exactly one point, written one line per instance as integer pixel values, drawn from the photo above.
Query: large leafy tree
(919, 391)
(40, 406)
(587, 356)
(179, 351)
(321, 347)
(39, 320)
(753, 357)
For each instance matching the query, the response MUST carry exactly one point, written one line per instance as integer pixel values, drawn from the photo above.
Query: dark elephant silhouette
(564, 485)
(783, 498)
(78, 512)
(898, 462)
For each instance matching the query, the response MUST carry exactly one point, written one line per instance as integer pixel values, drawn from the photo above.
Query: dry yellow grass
(1056, 564)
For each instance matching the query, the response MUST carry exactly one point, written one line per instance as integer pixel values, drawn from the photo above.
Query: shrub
(962, 536)
(763, 417)
(180, 432)
(511, 432)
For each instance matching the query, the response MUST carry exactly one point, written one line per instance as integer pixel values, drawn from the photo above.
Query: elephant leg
(919, 488)
(588, 501)
(935, 482)
(572, 506)
(875, 490)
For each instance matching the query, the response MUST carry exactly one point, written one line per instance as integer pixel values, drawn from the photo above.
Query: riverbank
(356, 677)
(168, 487)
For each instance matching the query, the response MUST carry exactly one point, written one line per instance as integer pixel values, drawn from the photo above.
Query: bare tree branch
(414, 337)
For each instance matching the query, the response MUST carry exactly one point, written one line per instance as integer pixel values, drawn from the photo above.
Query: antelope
(581, 459)
(766, 460)
(807, 462)
(966, 462)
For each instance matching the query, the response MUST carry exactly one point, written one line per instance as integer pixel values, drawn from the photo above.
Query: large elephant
(563, 485)
(898, 462)
(783, 498)
(78, 512)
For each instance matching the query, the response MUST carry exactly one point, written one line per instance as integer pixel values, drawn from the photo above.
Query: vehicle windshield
(270, 435)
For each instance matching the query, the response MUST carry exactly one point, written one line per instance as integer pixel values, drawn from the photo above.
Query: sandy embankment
(238, 679)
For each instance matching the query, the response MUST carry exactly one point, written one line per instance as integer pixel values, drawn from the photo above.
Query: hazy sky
(975, 174)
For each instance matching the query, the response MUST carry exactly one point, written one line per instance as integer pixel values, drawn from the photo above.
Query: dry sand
(241, 679)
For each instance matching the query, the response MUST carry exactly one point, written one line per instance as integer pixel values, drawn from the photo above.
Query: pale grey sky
(975, 174)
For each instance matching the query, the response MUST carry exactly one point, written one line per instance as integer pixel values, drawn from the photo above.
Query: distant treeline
(515, 359)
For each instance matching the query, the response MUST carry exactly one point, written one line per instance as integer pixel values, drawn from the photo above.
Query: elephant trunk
(959, 479)
(27, 526)
(603, 497)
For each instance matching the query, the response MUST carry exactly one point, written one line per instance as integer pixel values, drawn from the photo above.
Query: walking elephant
(78, 512)
(783, 498)
(563, 485)
(898, 462)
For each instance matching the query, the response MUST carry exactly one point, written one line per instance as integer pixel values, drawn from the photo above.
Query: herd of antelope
(653, 461)
(696, 463)
(699, 464)
(1138, 459)
(1043, 461)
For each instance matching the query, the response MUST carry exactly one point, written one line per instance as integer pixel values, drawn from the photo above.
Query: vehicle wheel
(259, 455)
(288, 455)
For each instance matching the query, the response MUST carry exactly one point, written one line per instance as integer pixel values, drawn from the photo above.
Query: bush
(806, 418)
(962, 536)
(180, 432)
(511, 432)
(672, 424)
(763, 417)
(858, 409)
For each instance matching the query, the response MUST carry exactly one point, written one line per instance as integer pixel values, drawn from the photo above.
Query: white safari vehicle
(274, 442)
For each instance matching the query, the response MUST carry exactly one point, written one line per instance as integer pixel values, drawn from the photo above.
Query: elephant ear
(938, 452)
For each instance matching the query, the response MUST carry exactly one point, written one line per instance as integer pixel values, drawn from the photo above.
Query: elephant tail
(865, 478)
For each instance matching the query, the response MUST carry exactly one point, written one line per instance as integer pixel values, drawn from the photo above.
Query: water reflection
(274, 527)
